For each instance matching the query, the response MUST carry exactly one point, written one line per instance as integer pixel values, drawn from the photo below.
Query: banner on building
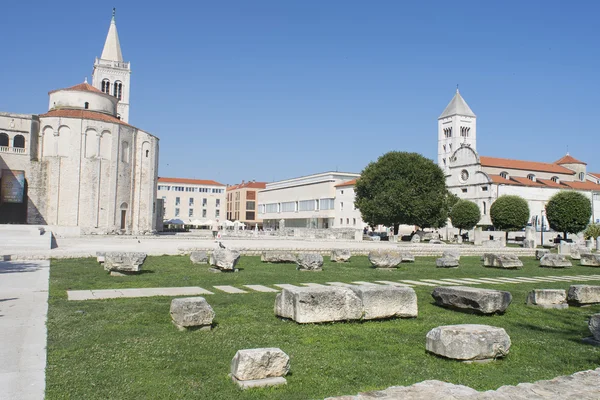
(13, 186)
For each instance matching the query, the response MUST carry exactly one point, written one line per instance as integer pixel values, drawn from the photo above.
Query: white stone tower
(111, 74)
(457, 126)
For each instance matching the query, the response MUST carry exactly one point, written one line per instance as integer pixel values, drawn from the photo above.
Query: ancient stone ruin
(309, 262)
(123, 263)
(583, 295)
(340, 255)
(476, 300)
(548, 298)
(224, 260)
(555, 261)
(277, 257)
(199, 257)
(192, 313)
(263, 367)
(468, 342)
(504, 261)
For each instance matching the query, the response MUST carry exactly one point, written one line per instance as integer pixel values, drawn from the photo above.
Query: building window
(191, 212)
(581, 176)
(204, 201)
(4, 140)
(271, 208)
(288, 206)
(217, 213)
(464, 190)
(118, 89)
(484, 188)
(306, 205)
(341, 206)
(327, 204)
(450, 146)
(251, 195)
(177, 212)
(19, 142)
(125, 152)
(86, 105)
(554, 179)
(251, 205)
(444, 160)
(504, 174)
(203, 213)
(250, 216)
(531, 177)
(353, 221)
(218, 203)
(484, 208)
(464, 175)
(342, 191)
(164, 187)
(347, 221)
(191, 204)
(106, 86)
(147, 153)
(341, 221)
(177, 201)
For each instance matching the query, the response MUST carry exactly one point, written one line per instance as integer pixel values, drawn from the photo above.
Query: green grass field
(128, 348)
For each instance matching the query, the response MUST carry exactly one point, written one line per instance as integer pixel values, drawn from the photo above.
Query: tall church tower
(457, 126)
(111, 74)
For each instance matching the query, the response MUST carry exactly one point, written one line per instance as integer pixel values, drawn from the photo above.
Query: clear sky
(269, 90)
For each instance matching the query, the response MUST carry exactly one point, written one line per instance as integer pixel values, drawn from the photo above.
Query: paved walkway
(23, 311)
(189, 291)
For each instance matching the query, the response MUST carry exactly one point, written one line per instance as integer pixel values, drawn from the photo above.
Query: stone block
(385, 258)
(435, 241)
(278, 257)
(539, 253)
(555, 261)
(257, 364)
(225, 259)
(505, 261)
(415, 239)
(386, 301)
(446, 262)
(528, 244)
(468, 342)
(407, 257)
(477, 300)
(199, 257)
(582, 295)
(590, 260)
(492, 244)
(594, 326)
(100, 256)
(548, 298)
(451, 254)
(124, 262)
(318, 304)
(340, 255)
(309, 262)
(191, 312)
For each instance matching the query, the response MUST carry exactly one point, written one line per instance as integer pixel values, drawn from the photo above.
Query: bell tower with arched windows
(457, 126)
(111, 74)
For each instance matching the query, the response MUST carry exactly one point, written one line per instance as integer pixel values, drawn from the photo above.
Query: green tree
(509, 213)
(403, 188)
(568, 212)
(465, 215)
(592, 231)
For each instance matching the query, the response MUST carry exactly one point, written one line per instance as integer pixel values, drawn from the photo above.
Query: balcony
(14, 150)
(112, 64)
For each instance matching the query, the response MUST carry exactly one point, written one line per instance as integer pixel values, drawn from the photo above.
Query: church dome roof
(568, 159)
(82, 87)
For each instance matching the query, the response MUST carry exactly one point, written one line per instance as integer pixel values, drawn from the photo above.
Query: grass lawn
(128, 348)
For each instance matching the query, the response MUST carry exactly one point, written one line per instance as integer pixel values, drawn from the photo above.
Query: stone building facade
(193, 201)
(242, 202)
(79, 165)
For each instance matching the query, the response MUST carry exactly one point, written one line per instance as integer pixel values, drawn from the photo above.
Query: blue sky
(269, 90)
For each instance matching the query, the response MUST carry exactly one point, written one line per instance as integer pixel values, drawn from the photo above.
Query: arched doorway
(123, 215)
(13, 197)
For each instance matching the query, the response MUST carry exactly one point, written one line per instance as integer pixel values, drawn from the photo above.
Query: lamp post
(542, 234)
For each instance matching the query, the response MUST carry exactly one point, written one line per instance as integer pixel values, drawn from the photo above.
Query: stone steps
(24, 238)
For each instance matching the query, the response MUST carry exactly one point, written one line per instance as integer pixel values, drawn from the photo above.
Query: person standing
(215, 229)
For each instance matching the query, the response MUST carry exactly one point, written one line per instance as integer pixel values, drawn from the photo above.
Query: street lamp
(542, 234)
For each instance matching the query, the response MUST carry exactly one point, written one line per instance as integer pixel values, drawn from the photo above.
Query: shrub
(509, 213)
(592, 231)
(465, 215)
(568, 212)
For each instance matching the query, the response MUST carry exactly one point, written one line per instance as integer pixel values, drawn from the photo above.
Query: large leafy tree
(509, 213)
(465, 215)
(568, 212)
(403, 188)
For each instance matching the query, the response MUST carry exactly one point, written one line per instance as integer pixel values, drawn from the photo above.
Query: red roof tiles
(568, 160)
(347, 183)
(551, 183)
(249, 185)
(189, 181)
(84, 114)
(523, 165)
(500, 180)
(587, 185)
(82, 87)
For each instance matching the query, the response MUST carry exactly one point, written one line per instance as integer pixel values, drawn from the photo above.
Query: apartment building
(193, 201)
(242, 202)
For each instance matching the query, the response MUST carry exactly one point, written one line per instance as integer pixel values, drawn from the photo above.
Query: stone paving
(23, 311)
(187, 291)
(584, 385)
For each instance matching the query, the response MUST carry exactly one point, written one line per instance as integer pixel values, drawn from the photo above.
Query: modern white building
(310, 202)
(193, 201)
(79, 165)
(483, 179)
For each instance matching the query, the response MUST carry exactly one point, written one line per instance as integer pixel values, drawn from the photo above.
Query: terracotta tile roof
(551, 183)
(248, 185)
(189, 181)
(82, 87)
(84, 114)
(523, 165)
(568, 160)
(347, 183)
(587, 185)
(594, 174)
(500, 180)
(525, 181)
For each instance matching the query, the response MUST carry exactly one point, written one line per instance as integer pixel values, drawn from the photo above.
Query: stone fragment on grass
(199, 257)
(505, 261)
(260, 367)
(407, 257)
(555, 261)
(192, 312)
(386, 301)
(451, 254)
(318, 304)
(385, 258)
(594, 326)
(309, 262)
(446, 262)
(478, 300)
(123, 262)
(539, 253)
(340, 255)
(100, 256)
(225, 259)
(548, 298)
(469, 342)
(590, 260)
(583, 295)
(278, 257)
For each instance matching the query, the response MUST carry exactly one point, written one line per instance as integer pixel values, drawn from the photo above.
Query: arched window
(531, 177)
(86, 105)
(125, 152)
(504, 174)
(147, 153)
(106, 86)
(554, 179)
(450, 146)
(582, 176)
(484, 208)
(19, 142)
(118, 89)
(3, 140)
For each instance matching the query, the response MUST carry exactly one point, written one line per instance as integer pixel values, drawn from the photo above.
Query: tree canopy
(568, 212)
(465, 215)
(403, 188)
(509, 213)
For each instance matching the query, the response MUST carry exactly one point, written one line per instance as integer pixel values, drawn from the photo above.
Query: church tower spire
(457, 126)
(111, 74)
